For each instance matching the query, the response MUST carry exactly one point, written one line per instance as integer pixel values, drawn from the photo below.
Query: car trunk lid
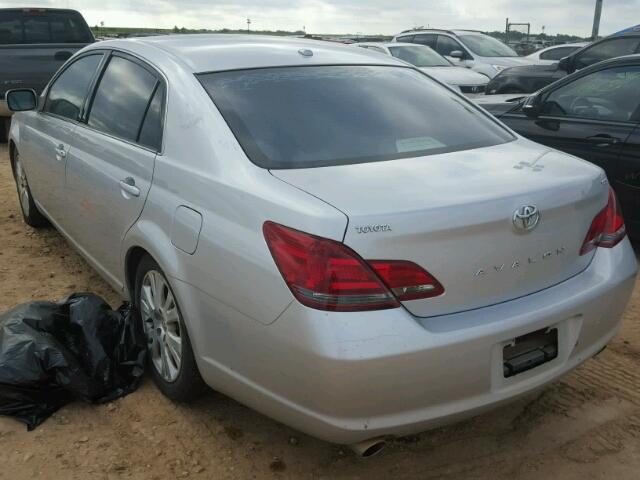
(453, 213)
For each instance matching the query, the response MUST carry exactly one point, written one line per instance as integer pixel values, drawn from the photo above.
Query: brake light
(407, 280)
(327, 275)
(607, 228)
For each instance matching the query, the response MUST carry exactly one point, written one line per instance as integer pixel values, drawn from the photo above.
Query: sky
(353, 16)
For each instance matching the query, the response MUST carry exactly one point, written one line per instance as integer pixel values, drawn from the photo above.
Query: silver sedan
(323, 233)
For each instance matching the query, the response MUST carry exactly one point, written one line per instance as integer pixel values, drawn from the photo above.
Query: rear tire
(30, 212)
(171, 359)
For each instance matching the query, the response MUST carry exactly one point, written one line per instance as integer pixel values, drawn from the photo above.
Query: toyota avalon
(326, 234)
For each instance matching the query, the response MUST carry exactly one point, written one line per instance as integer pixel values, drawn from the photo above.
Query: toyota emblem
(526, 218)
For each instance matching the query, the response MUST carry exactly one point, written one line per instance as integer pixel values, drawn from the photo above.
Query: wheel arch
(133, 258)
(146, 237)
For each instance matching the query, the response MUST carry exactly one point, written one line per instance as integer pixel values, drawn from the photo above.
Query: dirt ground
(586, 425)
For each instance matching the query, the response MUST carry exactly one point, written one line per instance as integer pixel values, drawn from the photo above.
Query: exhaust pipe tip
(368, 448)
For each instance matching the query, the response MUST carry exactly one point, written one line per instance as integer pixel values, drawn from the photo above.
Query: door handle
(129, 185)
(603, 140)
(61, 152)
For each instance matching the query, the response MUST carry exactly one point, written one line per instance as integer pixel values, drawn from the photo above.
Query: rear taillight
(407, 280)
(607, 228)
(327, 275)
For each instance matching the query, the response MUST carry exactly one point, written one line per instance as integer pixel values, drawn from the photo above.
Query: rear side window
(300, 117)
(425, 39)
(557, 53)
(407, 39)
(42, 26)
(151, 131)
(122, 99)
(69, 91)
(419, 55)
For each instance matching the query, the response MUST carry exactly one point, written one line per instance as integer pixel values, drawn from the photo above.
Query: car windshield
(314, 116)
(487, 46)
(420, 56)
(18, 27)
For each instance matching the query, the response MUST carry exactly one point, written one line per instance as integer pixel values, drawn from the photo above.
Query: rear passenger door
(111, 164)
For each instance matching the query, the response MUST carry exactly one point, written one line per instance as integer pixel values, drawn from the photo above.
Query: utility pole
(506, 32)
(596, 20)
(248, 25)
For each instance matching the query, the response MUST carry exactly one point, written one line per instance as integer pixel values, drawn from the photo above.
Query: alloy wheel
(161, 320)
(23, 186)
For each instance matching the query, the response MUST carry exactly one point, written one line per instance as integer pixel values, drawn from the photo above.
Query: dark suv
(531, 78)
(34, 43)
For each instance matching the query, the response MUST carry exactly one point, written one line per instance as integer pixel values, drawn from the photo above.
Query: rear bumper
(347, 377)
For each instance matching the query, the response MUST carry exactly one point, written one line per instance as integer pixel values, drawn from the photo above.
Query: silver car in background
(326, 235)
(555, 53)
(461, 79)
(467, 48)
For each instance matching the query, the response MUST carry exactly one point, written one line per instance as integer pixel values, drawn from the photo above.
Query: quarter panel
(204, 169)
(232, 262)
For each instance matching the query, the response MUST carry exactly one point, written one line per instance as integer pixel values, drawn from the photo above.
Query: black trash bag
(78, 348)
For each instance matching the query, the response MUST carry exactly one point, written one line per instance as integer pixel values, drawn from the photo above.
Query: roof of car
(440, 30)
(388, 44)
(219, 52)
(37, 9)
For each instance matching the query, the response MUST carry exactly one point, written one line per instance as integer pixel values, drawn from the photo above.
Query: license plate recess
(529, 351)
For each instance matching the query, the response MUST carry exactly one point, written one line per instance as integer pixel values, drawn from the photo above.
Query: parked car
(555, 53)
(432, 63)
(467, 48)
(532, 78)
(593, 114)
(34, 43)
(352, 249)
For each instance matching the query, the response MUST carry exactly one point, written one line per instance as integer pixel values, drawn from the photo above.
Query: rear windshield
(315, 116)
(19, 27)
(420, 56)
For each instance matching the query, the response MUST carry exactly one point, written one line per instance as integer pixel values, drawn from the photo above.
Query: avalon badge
(526, 218)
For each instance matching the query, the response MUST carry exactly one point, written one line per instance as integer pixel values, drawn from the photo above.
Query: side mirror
(21, 100)
(565, 64)
(457, 54)
(531, 107)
